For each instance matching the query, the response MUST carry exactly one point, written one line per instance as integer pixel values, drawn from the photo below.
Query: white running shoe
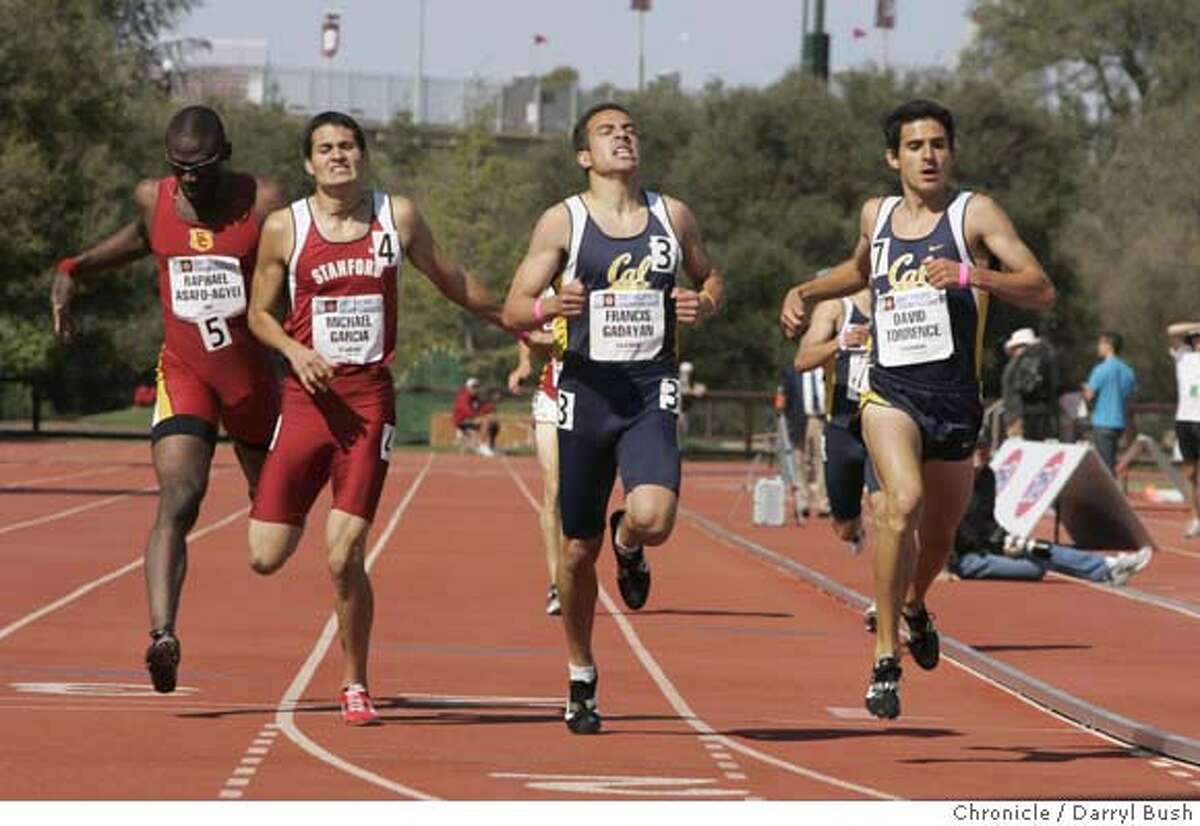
(486, 451)
(1126, 565)
(1193, 530)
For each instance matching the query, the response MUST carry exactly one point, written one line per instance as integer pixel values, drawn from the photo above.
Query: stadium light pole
(641, 7)
(419, 80)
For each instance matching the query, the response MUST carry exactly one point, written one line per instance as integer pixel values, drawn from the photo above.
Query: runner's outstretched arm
(543, 260)
(846, 278)
(274, 248)
(691, 306)
(452, 280)
(127, 244)
(1022, 282)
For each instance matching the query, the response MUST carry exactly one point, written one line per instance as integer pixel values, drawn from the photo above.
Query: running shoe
(581, 715)
(858, 542)
(162, 659)
(1121, 569)
(633, 572)
(870, 619)
(1193, 530)
(553, 605)
(923, 641)
(883, 691)
(357, 708)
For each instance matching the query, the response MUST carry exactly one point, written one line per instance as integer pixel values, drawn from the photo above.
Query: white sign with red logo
(1033, 476)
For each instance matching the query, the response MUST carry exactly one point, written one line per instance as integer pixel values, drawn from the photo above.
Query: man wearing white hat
(1028, 383)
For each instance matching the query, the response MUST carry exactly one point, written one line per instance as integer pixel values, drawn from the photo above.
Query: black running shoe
(581, 714)
(923, 641)
(633, 572)
(162, 660)
(883, 692)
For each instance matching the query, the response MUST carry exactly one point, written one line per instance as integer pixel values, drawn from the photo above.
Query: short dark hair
(201, 124)
(337, 119)
(1114, 339)
(579, 136)
(913, 110)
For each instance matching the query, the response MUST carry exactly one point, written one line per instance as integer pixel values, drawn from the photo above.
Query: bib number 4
(214, 332)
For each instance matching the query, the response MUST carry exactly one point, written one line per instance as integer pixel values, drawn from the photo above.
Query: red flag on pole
(639, 5)
(858, 32)
(330, 34)
(539, 39)
(885, 14)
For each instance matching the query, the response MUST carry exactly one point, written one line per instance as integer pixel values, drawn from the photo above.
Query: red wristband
(67, 266)
(539, 314)
(964, 275)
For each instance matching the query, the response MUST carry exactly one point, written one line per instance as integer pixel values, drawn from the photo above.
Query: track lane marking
(709, 735)
(285, 718)
(88, 587)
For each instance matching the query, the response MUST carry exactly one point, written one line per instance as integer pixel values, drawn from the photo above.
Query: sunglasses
(180, 168)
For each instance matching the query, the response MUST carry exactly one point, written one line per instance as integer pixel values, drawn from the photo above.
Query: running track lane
(471, 672)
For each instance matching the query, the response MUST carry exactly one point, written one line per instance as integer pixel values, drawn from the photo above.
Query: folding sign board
(1033, 476)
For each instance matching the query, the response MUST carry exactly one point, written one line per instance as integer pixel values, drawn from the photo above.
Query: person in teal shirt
(1108, 389)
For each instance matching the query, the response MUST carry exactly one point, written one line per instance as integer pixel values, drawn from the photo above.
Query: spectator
(1185, 350)
(984, 550)
(1029, 383)
(804, 406)
(1108, 389)
(474, 417)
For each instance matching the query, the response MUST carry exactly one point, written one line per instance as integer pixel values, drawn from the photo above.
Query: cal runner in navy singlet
(619, 250)
(927, 257)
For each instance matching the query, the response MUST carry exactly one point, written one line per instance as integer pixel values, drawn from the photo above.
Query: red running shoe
(357, 709)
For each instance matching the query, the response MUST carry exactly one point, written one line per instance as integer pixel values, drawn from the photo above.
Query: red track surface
(738, 680)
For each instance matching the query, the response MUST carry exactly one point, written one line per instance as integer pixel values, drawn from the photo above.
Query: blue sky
(746, 42)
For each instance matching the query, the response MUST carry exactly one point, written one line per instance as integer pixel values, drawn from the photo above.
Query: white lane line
(1130, 593)
(44, 480)
(13, 627)
(285, 717)
(668, 690)
(63, 514)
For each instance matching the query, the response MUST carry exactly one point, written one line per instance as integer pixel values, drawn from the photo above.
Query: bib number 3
(668, 396)
(566, 410)
(214, 332)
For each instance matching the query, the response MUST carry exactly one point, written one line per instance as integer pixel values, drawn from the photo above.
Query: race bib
(857, 372)
(348, 330)
(206, 286)
(913, 327)
(626, 325)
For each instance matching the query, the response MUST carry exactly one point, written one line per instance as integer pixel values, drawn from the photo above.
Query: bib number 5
(214, 332)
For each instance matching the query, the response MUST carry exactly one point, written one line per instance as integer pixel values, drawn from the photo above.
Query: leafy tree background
(1076, 116)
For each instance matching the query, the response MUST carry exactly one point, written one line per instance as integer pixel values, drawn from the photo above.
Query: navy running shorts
(949, 418)
(1188, 436)
(847, 469)
(610, 420)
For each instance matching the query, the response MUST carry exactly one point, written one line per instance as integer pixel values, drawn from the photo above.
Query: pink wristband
(964, 275)
(539, 315)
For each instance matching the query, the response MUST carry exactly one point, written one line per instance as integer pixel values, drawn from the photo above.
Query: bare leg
(354, 602)
(948, 487)
(578, 591)
(181, 463)
(649, 516)
(546, 435)
(894, 444)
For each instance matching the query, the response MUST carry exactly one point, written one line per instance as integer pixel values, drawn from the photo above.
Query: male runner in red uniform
(340, 251)
(202, 226)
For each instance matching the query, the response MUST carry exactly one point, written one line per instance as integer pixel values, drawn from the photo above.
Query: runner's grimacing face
(612, 142)
(924, 159)
(336, 158)
(196, 165)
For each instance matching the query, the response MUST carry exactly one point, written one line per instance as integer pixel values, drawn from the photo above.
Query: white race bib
(206, 286)
(913, 327)
(857, 370)
(626, 325)
(348, 330)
